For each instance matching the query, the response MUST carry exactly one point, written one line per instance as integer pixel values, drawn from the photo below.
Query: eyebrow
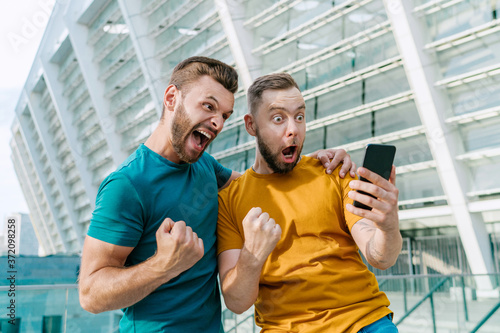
(273, 108)
(214, 99)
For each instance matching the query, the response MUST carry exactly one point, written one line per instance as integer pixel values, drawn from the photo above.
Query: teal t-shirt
(131, 204)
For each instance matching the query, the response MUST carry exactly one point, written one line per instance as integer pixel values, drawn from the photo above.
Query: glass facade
(98, 94)
(95, 93)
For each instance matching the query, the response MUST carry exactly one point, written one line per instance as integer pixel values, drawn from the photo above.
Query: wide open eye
(278, 119)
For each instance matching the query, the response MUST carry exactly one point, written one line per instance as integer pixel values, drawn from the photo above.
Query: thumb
(167, 225)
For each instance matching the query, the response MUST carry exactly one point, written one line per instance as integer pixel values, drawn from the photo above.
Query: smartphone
(379, 159)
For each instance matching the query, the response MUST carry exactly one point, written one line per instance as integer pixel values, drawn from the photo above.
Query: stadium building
(422, 75)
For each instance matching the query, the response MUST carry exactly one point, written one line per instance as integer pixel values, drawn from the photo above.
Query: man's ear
(170, 96)
(250, 124)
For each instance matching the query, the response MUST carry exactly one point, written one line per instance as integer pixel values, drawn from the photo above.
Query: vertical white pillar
(444, 142)
(35, 158)
(144, 50)
(231, 15)
(96, 88)
(46, 138)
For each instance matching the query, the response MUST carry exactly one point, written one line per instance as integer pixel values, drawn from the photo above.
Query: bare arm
(105, 284)
(331, 158)
(240, 270)
(377, 234)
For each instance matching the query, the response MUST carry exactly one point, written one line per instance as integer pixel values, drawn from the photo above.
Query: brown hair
(191, 69)
(275, 81)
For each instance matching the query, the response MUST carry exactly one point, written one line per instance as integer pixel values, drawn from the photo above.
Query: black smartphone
(379, 159)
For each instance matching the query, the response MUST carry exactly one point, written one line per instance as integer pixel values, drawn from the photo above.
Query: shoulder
(235, 186)
(132, 164)
(126, 172)
(311, 164)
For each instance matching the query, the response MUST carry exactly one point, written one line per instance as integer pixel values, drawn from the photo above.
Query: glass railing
(421, 303)
(50, 308)
(444, 303)
(424, 303)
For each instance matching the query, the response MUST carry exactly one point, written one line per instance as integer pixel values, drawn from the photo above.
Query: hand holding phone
(379, 159)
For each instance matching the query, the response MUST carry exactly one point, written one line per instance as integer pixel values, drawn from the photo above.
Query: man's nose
(292, 129)
(217, 122)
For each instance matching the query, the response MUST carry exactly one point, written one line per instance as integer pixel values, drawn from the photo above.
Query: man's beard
(272, 159)
(181, 129)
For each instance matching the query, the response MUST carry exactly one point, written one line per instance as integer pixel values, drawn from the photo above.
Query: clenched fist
(261, 234)
(179, 248)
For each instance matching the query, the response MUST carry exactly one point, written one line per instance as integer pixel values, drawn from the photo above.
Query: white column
(47, 139)
(35, 158)
(96, 88)
(61, 105)
(444, 142)
(26, 184)
(144, 50)
(232, 16)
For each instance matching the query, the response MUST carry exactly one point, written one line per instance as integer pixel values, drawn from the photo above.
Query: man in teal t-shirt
(132, 218)
(150, 248)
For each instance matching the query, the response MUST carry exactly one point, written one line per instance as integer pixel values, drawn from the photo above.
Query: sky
(22, 24)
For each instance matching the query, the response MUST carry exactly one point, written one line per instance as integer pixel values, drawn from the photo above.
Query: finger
(346, 166)
(189, 235)
(164, 228)
(270, 224)
(254, 213)
(373, 177)
(369, 214)
(364, 199)
(375, 190)
(353, 170)
(392, 178)
(337, 158)
(179, 230)
(325, 160)
(167, 225)
(264, 218)
(277, 230)
(200, 245)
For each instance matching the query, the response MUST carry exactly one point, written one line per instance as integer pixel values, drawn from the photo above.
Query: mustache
(205, 127)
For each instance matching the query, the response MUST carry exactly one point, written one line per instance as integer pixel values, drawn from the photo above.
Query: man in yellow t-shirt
(288, 234)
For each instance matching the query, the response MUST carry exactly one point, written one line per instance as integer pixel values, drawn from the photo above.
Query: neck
(260, 165)
(160, 142)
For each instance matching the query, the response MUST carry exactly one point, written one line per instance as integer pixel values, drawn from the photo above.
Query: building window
(52, 324)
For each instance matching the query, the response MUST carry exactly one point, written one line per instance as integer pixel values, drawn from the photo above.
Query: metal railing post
(431, 299)
(488, 315)
(466, 312)
(405, 300)
(429, 294)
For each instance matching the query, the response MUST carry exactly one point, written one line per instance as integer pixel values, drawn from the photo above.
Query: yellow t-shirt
(314, 280)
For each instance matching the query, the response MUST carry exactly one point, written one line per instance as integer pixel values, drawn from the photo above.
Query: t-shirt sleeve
(229, 232)
(350, 218)
(118, 213)
(221, 173)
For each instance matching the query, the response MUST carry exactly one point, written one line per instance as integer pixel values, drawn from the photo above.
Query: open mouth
(289, 154)
(201, 138)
